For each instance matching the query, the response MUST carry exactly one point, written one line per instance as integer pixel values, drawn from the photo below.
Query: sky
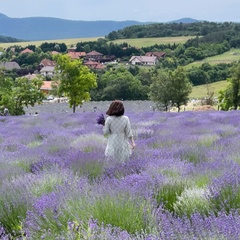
(121, 10)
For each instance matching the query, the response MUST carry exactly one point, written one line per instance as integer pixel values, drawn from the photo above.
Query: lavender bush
(182, 181)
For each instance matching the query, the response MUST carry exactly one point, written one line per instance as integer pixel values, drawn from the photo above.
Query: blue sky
(120, 10)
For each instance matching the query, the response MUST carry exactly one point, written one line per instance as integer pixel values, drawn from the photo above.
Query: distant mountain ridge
(48, 28)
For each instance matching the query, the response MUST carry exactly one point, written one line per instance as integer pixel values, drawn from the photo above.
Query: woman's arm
(106, 127)
(130, 134)
(132, 142)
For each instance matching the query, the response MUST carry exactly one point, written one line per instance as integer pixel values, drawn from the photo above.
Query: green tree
(230, 97)
(171, 87)
(181, 87)
(121, 84)
(22, 92)
(76, 80)
(6, 84)
(197, 76)
(160, 89)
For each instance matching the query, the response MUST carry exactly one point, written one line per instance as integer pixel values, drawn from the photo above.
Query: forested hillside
(214, 29)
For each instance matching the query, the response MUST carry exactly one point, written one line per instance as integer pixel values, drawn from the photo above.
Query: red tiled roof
(76, 54)
(46, 62)
(95, 65)
(156, 54)
(54, 52)
(47, 85)
(94, 53)
(27, 50)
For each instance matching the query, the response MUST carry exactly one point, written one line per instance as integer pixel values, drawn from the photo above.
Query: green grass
(138, 42)
(69, 42)
(227, 57)
(146, 42)
(201, 90)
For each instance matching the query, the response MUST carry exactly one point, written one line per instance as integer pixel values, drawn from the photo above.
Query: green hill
(227, 57)
(201, 90)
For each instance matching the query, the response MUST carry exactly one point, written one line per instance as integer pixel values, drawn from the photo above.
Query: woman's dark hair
(115, 109)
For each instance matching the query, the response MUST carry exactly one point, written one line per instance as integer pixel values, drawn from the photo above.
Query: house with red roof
(46, 87)
(156, 54)
(94, 65)
(76, 55)
(26, 50)
(94, 56)
(47, 62)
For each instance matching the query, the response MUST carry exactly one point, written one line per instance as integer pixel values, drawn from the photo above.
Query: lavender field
(182, 181)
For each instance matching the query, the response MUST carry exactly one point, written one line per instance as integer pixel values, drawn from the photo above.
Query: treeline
(175, 29)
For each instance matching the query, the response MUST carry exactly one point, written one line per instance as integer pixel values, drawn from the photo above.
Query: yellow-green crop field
(69, 42)
(137, 42)
(146, 42)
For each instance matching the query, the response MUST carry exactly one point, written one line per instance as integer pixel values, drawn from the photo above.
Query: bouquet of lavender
(101, 120)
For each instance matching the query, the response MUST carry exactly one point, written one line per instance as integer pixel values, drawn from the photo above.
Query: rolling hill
(48, 28)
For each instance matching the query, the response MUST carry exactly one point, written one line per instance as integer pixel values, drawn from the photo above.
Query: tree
(181, 87)
(197, 76)
(6, 84)
(171, 87)
(76, 80)
(121, 84)
(160, 89)
(19, 93)
(230, 97)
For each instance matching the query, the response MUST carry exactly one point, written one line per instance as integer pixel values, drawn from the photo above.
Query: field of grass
(146, 42)
(227, 57)
(139, 42)
(201, 90)
(69, 42)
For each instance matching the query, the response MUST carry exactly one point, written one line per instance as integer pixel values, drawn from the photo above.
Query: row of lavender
(182, 181)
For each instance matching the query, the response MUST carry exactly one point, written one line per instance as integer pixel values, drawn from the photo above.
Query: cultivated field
(182, 181)
(146, 42)
(140, 42)
(69, 42)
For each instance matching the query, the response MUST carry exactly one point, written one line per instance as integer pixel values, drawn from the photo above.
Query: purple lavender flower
(101, 119)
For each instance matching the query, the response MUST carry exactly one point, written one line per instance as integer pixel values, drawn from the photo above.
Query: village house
(71, 49)
(9, 65)
(94, 56)
(94, 65)
(46, 62)
(47, 71)
(158, 55)
(46, 88)
(76, 55)
(54, 52)
(143, 60)
(26, 50)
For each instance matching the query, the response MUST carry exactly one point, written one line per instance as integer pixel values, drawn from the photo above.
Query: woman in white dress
(117, 127)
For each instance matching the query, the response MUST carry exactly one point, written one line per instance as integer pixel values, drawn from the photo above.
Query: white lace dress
(118, 131)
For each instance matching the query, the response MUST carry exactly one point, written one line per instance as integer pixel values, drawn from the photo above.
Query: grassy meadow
(139, 42)
(227, 57)
(146, 42)
(69, 42)
(201, 90)
(182, 181)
